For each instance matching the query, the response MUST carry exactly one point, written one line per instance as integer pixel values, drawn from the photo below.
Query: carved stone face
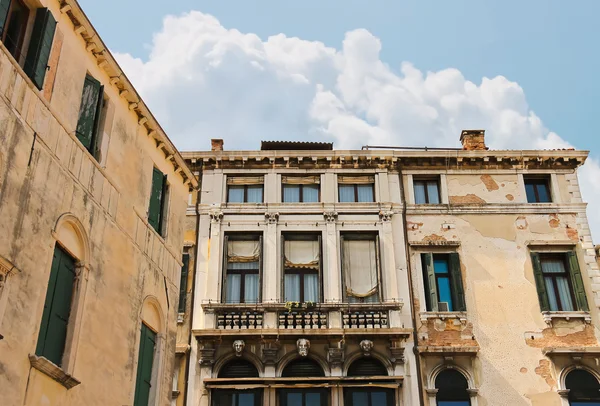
(238, 347)
(366, 346)
(302, 345)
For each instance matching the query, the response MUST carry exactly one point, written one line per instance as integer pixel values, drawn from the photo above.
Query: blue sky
(550, 47)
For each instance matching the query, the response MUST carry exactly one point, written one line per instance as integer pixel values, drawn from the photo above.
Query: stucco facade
(91, 205)
(497, 325)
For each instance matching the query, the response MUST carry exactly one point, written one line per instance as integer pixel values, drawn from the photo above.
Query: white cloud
(203, 81)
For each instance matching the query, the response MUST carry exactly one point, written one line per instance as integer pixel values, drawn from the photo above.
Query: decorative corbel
(397, 352)
(271, 218)
(216, 216)
(386, 216)
(206, 352)
(330, 216)
(269, 352)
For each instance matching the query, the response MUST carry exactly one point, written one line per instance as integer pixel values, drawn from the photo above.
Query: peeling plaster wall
(44, 177)
(503, 316)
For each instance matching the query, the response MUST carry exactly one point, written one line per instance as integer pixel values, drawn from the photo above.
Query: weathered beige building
(93, 198)
(392, 277)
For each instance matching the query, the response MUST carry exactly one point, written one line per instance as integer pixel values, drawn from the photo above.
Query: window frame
(161, 226)
(20, 45)
(243, 272)
(300, 192)
(302, 272)
(258, 395)
(183, 283)
(356, 185)
(538, 180)
(324, 394)
(362, 235)
(348, 391)
(426, 180)
(455, 275)
(246, 193)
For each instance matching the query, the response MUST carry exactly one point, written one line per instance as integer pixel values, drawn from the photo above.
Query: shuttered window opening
(303, 397)
(443, 282)
(367, 366)
(14, 15)
(183, 282)
(143, 381)
(238, 368)
(57, 307)
(157, 205)
(222, 397)
(559, 281)
(452, 388)
(40, 45)
(304, 367)
(583, 387)
(90, 115)
(368, 397)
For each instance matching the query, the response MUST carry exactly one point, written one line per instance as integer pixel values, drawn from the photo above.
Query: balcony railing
(365, 319)
(314, 319)
(240, 319)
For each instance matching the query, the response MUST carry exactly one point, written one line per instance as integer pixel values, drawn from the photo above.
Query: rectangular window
(559, 282)
(537, 189)
(443, 282)
(427, 190)
(302, 266)
(223, 397)
(184, 282)
(360, 266)
(243, 262)
(356, 189)
(368, 397)
(303, 397)
(90, 116)
(300, 189)
(245, 189)
(143, 381)
(14, 15)
(57, 307)
(158, 197)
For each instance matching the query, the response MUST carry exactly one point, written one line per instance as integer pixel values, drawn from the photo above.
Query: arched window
(368, 366)
(303, 367)
(452, 389)
(238, 368)
(584, 388)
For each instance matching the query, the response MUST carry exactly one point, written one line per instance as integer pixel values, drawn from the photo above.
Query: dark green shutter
(57, 307)
(143, 381)
(458, 292)
(4, 6)
(539, 282)
(431, 294)
(577, 282)
(91, 102)
(156, 198)
(40, 45)
(183, 283)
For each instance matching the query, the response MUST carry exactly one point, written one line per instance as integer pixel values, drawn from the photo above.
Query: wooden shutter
(539, 282)
(89, 112)
(156, 198)
(224, 297)
(577, 282)
(4, 6)
(183, 282)
(143, 381)
(57, 308)
(378, 268)
(40, 45)
(260, 269)
(458, 292)
(429, 279)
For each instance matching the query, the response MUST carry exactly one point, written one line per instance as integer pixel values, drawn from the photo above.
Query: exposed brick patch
(413, 226)
(468, 199)
(572, 234)
(554, 221)
(521, 223)
(447, 333)
(545, 372)
(489, 182)
(580, 336)
(510, 197)
(523, 370)
(434, 237)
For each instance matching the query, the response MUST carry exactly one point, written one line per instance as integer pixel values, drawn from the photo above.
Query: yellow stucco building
(93, 197)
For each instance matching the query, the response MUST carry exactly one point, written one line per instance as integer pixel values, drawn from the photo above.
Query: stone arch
(151, 314)
(442, 367)
(562, 378)
(246, 356)
(379, 357)
(293, 355)
(70, 233)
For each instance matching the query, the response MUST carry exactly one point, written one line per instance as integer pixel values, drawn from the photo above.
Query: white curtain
(233, 288)
(302, 254)
(251, 289)
(292, 287)
(433, 193)
(346, 193)
(291, 193)
(365, 193)
(243, 250)
(310, 193)
(420, 193)
(360, 267)
(311, 287)
(255, 194)
(235, 194)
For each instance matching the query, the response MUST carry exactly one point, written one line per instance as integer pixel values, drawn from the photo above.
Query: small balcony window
(360, 266)
(242, 272)
(302, 265)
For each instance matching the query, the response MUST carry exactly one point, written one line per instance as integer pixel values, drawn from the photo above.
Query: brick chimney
(216, 144)
(473, 140)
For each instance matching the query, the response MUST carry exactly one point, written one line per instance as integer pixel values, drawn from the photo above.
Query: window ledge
(53, 371)
(216, 306)
(549, 317)
(425, 316)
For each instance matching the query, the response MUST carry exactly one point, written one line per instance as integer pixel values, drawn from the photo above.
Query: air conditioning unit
(443, 307)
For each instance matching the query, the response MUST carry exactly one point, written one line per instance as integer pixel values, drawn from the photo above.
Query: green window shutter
(539, 282)
(156, 198)
(183, 283)
(89, 112)
(458, 292)
(143, 381)
(577, 282)
(431, 295)
(40, 45)
(4, 6)
(57, 308)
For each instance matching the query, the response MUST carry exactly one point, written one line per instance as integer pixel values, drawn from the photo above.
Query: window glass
(557, 283)
(433, 193)
(346, 193)
(246, 399)
(360, 398)
(251, 288)
(255, 194)
(233, 288)
(235, 194)
(311, 287)
(583, 387)
(294, 399)
(292, 287)
(440, 265)
(420, 193)
(310, 193)
(452, 389)
(291, 193)
(426, 191)
(537, 190)
(365, 193)
(543, 193)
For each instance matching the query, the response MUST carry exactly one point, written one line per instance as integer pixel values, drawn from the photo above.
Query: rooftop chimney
(473, 140)
(216, 144)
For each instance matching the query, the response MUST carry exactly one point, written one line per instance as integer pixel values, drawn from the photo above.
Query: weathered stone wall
(45, 173)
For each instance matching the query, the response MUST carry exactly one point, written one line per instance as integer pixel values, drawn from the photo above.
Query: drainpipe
(410, 287)
(190, 337)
